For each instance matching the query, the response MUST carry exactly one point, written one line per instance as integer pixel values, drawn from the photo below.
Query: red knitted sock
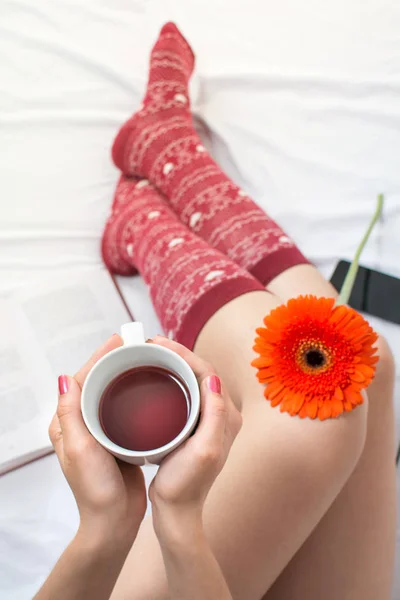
(188, 280)
(160, 143)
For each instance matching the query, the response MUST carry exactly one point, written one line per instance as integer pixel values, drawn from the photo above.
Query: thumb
(69, 412)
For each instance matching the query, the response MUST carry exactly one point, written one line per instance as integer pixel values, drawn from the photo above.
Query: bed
(298, 101)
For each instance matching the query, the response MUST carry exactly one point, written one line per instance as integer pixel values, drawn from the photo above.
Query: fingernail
(149, 341)
(214, 383)
(63, 384)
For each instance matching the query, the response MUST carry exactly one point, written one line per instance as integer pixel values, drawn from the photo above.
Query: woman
(302, 508)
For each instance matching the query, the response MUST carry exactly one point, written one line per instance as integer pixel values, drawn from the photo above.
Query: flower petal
(337, 407)
(325, 412)
(262, 361)
(339, 394)
(312, 408)
(286, 404)
(274, 401)
(352, 396)
(357, 376)
(274, 389)
(297, 403)
(303, 412)
(366, 370)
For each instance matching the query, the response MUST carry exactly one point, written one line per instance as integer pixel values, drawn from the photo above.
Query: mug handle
(133, 334)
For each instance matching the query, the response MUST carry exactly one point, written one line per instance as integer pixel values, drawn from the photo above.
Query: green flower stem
(348, 283)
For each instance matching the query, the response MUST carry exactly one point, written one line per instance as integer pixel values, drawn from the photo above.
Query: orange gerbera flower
(315, 357)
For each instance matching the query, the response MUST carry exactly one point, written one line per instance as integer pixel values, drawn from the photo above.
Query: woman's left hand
(111, 495)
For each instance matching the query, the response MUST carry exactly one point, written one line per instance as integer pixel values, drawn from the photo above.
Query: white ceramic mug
(136, 353)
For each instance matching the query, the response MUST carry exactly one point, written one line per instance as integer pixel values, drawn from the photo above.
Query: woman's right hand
(187, 474)
(111, 495)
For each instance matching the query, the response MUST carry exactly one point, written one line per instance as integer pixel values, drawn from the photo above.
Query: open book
(46, 330)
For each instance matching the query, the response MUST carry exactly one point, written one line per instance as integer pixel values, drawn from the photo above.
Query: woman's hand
(111, 495)
(187, 474)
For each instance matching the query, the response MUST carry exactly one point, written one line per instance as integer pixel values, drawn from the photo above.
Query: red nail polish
(63, 384)
(214, 383)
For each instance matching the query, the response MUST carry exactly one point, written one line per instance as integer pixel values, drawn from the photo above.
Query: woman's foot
(165, 107)
(127, 192)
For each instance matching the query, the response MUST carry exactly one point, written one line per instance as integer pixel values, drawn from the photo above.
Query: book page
(17, 405)
(49, 329)
(24, 381)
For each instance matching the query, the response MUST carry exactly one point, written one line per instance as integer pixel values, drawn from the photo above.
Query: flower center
(313, 357)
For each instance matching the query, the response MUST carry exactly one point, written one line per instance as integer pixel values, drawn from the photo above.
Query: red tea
(144, 408)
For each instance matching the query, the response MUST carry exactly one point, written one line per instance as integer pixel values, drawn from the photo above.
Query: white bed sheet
(302, 108)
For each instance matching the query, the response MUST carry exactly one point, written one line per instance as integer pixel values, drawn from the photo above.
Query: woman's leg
(350, 554)
(282, 475)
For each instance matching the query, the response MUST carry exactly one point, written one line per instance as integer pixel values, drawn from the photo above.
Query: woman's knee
(381, 392)
(386, 367)
(319, 454)
(344, 439)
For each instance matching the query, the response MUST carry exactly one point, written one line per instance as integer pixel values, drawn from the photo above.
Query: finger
(113, 342)
(199, 366)
(210, 434)
(74, 431)
(234, 420)
(56, 438)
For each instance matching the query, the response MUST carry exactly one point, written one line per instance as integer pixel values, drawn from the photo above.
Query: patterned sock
(160, 143)
(188, 280)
